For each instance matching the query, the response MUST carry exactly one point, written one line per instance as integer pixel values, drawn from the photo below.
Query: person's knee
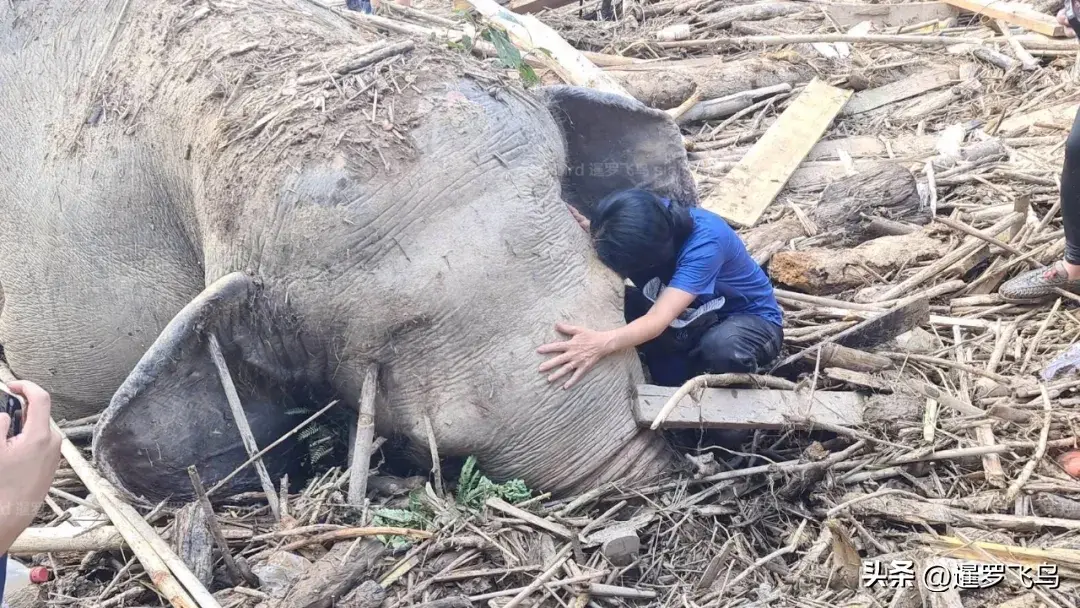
(722, 353)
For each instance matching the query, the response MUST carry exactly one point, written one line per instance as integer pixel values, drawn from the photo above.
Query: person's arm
(671, 303)
(27, 462)
(586, 347)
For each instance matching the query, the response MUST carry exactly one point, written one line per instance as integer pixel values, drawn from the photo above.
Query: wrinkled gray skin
(143, 208)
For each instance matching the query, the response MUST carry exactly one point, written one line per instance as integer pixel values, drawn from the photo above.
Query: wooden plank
(737, 408)
(754, 182)
(1061, 115)
(889, 15)
(1014, 13)
(889, 325)
(902, 89)
(533, 6)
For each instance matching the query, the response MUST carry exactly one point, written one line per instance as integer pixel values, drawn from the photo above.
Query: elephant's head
(446, 267)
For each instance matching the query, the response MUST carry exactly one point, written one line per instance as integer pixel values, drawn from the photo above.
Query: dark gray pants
(738, 343)
(1070, 194)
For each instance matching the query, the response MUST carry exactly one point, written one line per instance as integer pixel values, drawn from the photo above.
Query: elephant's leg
(171, 412)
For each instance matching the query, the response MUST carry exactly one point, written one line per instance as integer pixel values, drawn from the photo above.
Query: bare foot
(1063, 20)
(1073, 270)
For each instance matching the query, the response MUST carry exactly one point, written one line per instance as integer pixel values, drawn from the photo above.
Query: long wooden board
(888, 15)
(739, 408)
(1014, 13)
(905, 88)
(754, 182)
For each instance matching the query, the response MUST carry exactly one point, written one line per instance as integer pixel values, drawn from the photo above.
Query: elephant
(175, 174)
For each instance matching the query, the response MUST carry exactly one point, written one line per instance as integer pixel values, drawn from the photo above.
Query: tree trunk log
(667, 84)
(749, 12)
(835, 355)
(329, 580)
(932, 102)
(765, 240)
(194, 543)
(852, 210)
(886, 190)
(828, 271)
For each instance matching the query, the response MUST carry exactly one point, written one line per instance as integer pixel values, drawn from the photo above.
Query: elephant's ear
(614, 143)
(171, 412)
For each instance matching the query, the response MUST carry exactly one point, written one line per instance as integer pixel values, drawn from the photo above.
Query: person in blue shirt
(699, 304)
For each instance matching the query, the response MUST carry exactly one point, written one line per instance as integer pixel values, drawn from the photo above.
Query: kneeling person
(700, 304)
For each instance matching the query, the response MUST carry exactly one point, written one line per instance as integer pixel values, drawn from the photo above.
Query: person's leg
(738, 344)
(1070, 200)
(1040, 283)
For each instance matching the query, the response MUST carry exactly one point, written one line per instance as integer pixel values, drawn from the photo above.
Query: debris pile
(891, 164)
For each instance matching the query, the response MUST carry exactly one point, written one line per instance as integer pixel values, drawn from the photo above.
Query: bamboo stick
(365, 434)
(240, 418)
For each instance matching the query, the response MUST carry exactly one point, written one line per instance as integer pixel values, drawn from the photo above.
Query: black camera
(13, 406)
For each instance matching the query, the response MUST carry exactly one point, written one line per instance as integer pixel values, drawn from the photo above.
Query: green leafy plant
(509, 55)
(417, 516)
(320, 439)
(474, 488)
(465, 44)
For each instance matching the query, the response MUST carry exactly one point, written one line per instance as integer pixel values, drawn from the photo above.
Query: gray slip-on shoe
(1038, 284)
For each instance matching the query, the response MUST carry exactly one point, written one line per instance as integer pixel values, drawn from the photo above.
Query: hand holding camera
(15, 408)
(29, 453)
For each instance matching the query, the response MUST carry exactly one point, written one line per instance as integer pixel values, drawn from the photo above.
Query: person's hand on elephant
(27, 462)
(578, 354)
(586, 346)
(581, 219)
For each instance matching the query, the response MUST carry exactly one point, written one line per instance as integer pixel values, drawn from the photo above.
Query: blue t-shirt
(713, 262)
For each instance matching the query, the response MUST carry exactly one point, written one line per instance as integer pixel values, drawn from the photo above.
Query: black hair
(639, 236)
